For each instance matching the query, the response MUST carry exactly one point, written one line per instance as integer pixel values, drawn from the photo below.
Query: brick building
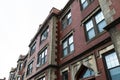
(79, 42)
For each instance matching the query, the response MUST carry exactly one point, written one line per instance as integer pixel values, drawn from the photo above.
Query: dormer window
(66, 20)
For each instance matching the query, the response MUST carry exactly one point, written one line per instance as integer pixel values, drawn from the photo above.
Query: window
(20, 66)
(43, 78)
(66, 20)
(30, 67)
(18, 78)
(65, 75)
(87, 73)
(44, 35)
(68, 45)
(95, 25)
(42, 57)
(32, 48)
(113, 66)
(25, 63)
(85, 3)
(23, 77)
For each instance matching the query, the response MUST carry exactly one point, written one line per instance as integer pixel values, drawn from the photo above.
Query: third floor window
(42, 57)
(68, 45)
(85, 3)
(95, 25)
(30, 68)
(32, 48)
(44, 35)
(66, 20)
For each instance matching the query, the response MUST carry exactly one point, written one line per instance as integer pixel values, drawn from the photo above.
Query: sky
(19, 21)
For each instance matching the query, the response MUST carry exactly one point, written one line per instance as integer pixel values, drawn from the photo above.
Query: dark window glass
(42, 57)
(32, 48)
(95, 25)
(65, 75)
(85, 3)
(23, 77)
(20, 66)
(88, 73)
(25, 63)
(30, 68)
(113, 66)
(44, 35)
(68, 45)
(66, 20)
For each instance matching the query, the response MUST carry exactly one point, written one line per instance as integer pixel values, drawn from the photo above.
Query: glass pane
(65, 44)
(85, 4)
(44, 78)
(89, 25)
(91, 34)
(71, 47)
(43, 55)
(65, 52)
(111, 60)
(45, 51)
(115, 73)
(88, 73)
(71, 40)
(65, 75)
(101, 25)
(82, 1)
(99, 17)
(69, 15)
(69, 20)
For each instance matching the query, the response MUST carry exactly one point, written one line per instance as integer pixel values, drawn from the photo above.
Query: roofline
(66, 7)
(52, 13)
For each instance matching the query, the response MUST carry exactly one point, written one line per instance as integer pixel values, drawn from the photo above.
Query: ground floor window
(65, 75)
(84, 73)
(112, 66)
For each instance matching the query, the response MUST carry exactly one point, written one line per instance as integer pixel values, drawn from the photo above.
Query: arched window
(84, 73)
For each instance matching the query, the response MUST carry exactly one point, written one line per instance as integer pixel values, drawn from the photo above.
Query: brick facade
(62, 48)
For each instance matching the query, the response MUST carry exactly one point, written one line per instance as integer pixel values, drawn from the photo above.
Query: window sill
(67, 55)
(100, 34)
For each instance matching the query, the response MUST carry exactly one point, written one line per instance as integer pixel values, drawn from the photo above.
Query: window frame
(95, 26)
(66, 19)
(106, 66)
(64, 73)
(20, 66)
(30, 69)
(88, 3)
(32, 48)
(44, 34)
(40, 60)
(68, 45)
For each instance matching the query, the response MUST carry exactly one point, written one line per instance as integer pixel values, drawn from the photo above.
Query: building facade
(79, 42)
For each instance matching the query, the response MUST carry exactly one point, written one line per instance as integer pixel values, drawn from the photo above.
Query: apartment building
(79, 42)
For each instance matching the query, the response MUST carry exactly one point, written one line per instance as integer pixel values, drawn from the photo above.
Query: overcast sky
(19, 21)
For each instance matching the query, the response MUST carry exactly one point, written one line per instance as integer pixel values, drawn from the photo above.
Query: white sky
(19, 21)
